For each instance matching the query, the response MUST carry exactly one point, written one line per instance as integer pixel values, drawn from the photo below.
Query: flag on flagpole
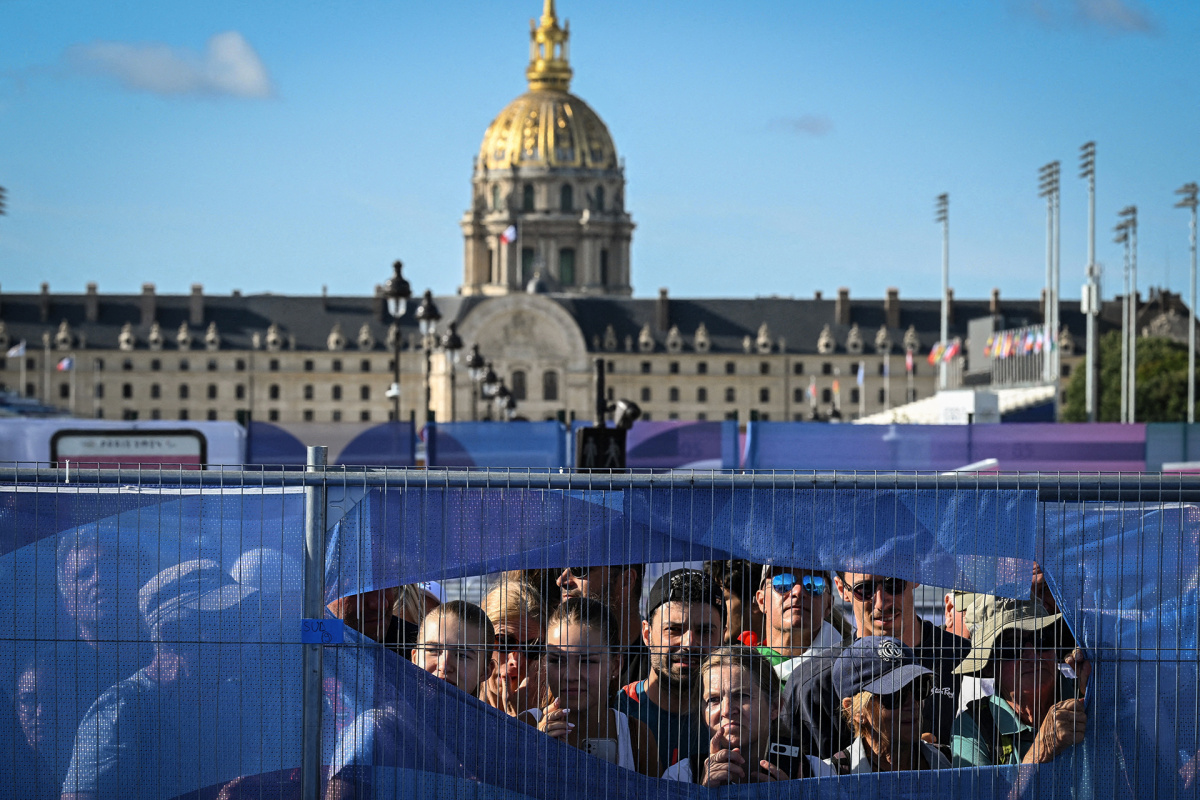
(66, 364)
(952, 350)
(17, 350)
(509, 236)
(862, 373)
(908, 361)
(887, 368)
(836, 387)
(936, 353)
(987, 347)
(812, 390)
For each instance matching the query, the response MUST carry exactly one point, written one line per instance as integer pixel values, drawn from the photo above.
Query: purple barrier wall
(515, 445)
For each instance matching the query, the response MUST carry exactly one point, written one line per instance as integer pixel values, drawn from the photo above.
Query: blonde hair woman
(518, 615)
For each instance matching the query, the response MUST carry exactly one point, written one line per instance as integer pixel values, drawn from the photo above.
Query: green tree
(1161, 382)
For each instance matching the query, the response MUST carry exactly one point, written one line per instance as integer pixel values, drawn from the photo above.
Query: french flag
(66, 364)
(509, 236)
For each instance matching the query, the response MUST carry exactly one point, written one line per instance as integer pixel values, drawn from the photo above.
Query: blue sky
(770, 147)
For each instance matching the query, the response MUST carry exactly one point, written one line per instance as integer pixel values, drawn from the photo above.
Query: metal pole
(1133, 315)
(1191, 413)
(601, 400)
(1092, 299)
(396, 374)
(453, 416)
(428, 375)
(1054, 355)
(943, 216)
(1047, 313)
(1125, 339)
(314, 608)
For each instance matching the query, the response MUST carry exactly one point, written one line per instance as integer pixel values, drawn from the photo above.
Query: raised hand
(554, 721)
(723, 765)
(767, 773)
(1063, 727)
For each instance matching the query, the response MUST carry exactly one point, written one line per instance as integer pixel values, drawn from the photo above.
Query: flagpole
(908, 367)
(21, 388)
(46, 370)
(862, 389)
(73, 385)
(887, 379)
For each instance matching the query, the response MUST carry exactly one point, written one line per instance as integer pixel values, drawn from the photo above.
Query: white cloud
(1114, 16)
(808, 124)
(228, 66)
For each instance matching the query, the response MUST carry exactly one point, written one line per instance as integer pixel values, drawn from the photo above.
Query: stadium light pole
(1091, 292)
(1048, 188)
(1129, 214)
(397, 291)
(1189, 192)
(943, 217)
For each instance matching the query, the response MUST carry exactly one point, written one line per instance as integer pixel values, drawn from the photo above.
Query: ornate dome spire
(548, 48)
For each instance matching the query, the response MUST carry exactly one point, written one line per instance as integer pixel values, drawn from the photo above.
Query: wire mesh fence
(421, 633)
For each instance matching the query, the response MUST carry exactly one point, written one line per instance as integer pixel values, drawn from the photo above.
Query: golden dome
(547, 126)
(548, 129)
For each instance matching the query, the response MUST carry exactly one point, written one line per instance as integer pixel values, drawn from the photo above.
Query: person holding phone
(1037, 711)
(740, 704)
(580, 666)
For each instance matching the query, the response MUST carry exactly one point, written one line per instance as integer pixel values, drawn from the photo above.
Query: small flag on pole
(908, 361)
(951, 351)
(66, 364)
(509, 236)
(17, 350)
(862, 373)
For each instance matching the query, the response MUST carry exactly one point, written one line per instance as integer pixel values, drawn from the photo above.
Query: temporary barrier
(166, 635)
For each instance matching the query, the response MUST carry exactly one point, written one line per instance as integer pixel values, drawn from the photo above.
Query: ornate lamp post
(397, 291)
(428, 317)
(489, 386)
(475, 370)
(452, 343)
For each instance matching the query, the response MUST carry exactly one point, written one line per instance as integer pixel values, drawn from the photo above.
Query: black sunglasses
(916, 692)
(866, 590)
(507, 643)
(579, 572)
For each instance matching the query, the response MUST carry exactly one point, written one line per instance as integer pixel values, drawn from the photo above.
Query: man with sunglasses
(884, 606)
(795, 605)
(620, 588)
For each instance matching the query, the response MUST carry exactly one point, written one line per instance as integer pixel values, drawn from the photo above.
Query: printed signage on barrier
(109, 449)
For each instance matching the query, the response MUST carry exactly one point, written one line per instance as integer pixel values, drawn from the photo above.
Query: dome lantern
(548, 69)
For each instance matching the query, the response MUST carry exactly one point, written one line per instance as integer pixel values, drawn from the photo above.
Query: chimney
(994, 305)
(148, 303)
(662, 311)
(91, 304)
(950, 306)
(196, 305)
(841, 309)
(379, 305)
(45, 302)
(891, 307)
(324, 297)
(817, 294)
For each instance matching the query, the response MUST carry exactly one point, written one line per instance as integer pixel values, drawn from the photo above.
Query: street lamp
(489, 385)
(1189, 192)
(427, 315)
(943, 217)
(475, 367)
(452, 343)
(506, 404)
(397, 291)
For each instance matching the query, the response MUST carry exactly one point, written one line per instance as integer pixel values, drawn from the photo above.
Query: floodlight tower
(943, 217)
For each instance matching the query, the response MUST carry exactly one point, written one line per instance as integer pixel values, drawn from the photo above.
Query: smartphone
(605, 749)
(1068, 685)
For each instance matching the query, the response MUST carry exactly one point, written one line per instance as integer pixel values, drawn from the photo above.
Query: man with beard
(619, 588)
(684, 623)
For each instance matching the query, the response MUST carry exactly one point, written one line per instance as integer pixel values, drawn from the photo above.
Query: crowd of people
(739, 672)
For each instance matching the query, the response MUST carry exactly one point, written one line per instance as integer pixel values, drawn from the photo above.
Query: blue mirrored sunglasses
(784, 582)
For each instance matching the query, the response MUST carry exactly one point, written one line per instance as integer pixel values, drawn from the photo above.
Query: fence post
(314, 608)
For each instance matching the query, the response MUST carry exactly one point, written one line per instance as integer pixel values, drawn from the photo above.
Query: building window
(798, 395)
(764, 395)
(730, 394)
(764, 368)
(99, 413)
(364, 393)
(212, 391)
(673, 368)
(127, 390)
(730, 368)
(272, 415)
(645, 367)
(527, 197)
(645, 394)
(155, 391)
(604, 267)
(763, 416)
(239, 391)
(335, 392)
(212, 414)
(702, 395)
(364, 365)
(566, 198)
(308, 392)
(155, 364)
(599, 198)
(495, 196)
(308, 415)
(882, 368)
(98, 365)
(364, 416)
(64, 390)
(702, 368)
(566, 266)
(526, 265)
(184, 365)
(701, 417)
(98, 391)
(273, 391)
(240, 365)
(550, 385)
(826, 396)
(212, 365)
(155, 414)
(273, 365)
(337, 416)
(826, 368)
(673, 395)
(854, 395)
(611, 367)
(183, 391)
(308, 365)
(519, 387)
(798, 368)
(646, 416)
(912, 395)
(336, 365)
(126, 365)
(672, 415)
(882, 396)
(183, 413)
(1066, 370)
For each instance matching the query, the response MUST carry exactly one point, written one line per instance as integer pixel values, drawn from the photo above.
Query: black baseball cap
(685, 586)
